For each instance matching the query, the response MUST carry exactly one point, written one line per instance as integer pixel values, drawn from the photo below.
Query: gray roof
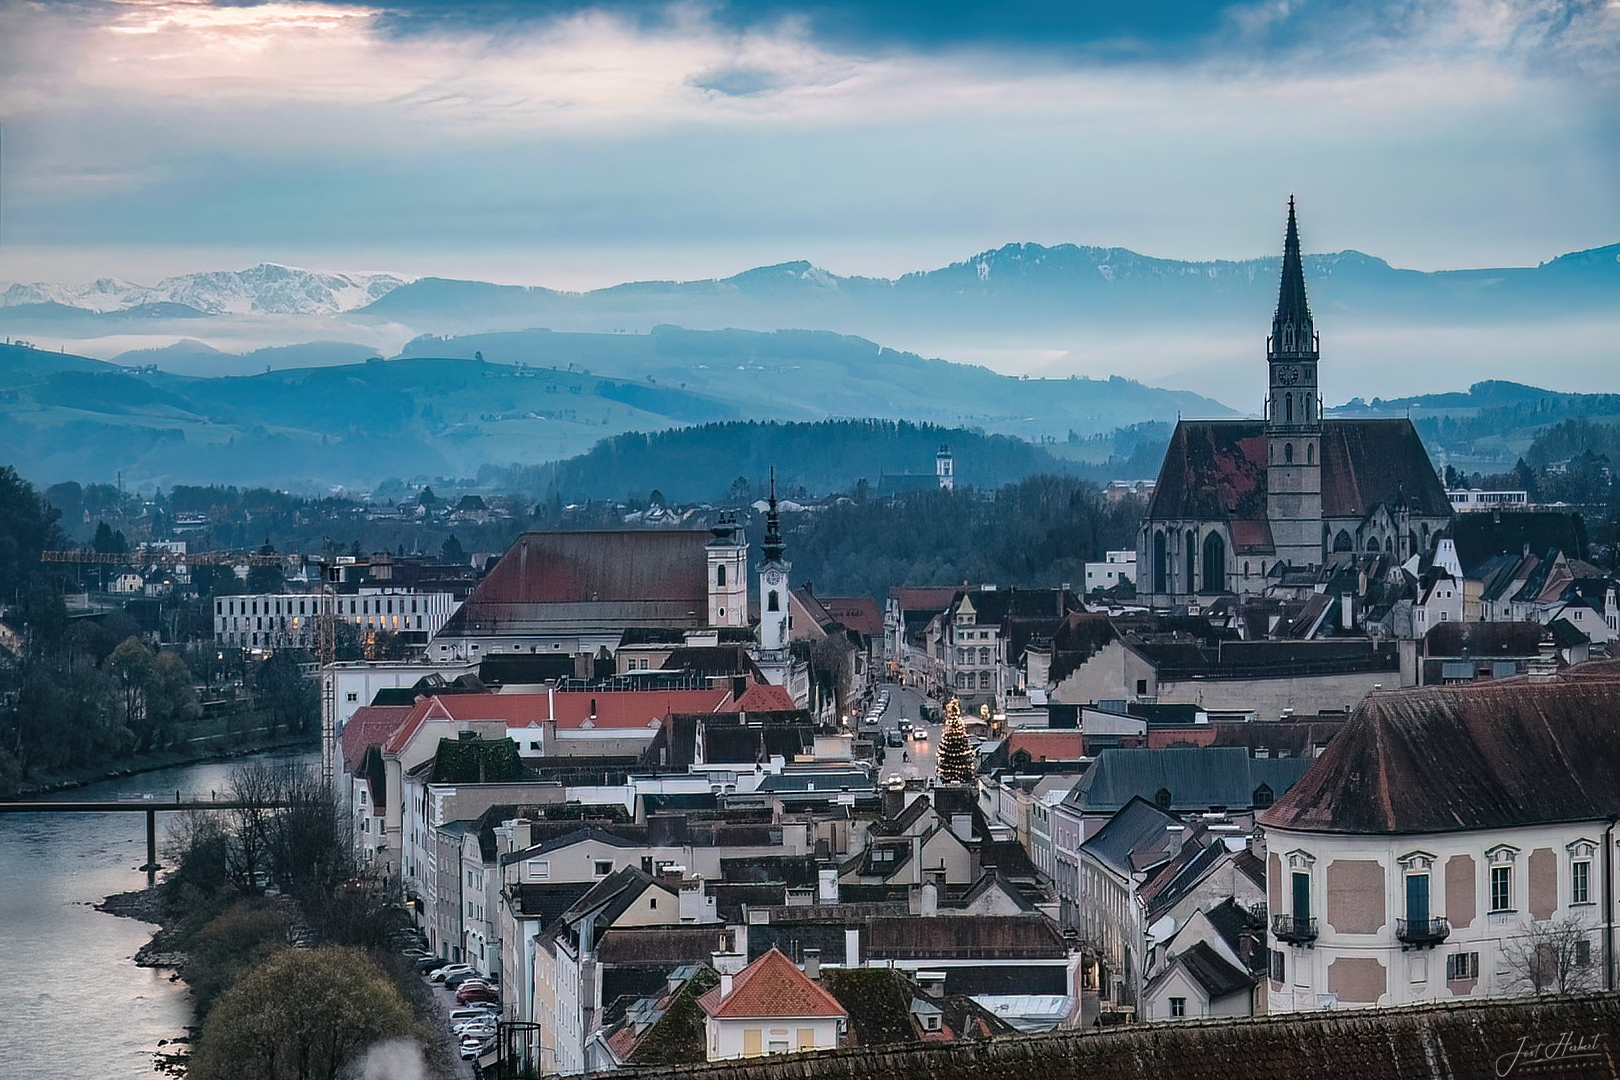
(1198, 778)
(1139, 827)
(830, 782)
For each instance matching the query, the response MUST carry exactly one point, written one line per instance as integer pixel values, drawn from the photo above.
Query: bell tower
(1294, 417)
(728, 573)
(774, 658)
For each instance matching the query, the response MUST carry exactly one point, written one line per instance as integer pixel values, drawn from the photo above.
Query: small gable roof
(772, 986)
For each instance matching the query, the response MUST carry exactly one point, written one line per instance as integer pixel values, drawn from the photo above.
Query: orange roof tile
(769, 987)
(763, 697)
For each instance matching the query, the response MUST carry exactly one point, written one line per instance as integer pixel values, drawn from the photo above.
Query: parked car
(468, 994)
(430, 963)
(455, 979)
(472, 1012)
(485, 1026)
(443, 973)
(472, 1046)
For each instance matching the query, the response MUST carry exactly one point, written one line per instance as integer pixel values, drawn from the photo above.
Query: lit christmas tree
(956, 759)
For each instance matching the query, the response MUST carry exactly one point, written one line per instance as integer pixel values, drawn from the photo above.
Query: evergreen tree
(956, 764)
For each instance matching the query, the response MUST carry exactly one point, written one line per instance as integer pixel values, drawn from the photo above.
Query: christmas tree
(956, 764)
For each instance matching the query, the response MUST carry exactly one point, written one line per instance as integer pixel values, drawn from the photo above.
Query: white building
(770, 1007)
(1116, 567)
(1450, 843)
(289, 620)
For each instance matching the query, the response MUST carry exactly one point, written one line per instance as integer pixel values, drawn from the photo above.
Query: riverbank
(191, 754)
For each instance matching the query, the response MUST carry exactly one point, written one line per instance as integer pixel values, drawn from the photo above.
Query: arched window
(1342, 542)
(1307, 408)
(1389, 545)
(1372, 544)
(1310, 453)
(1191, 562)
(1288, 408)
(1214, 563)
(773, 602)
(1288, 453)
(1160, 568)
(1163, 799)
(1245, 569)
(720, 575)
(1411, 539)
(1425, 536)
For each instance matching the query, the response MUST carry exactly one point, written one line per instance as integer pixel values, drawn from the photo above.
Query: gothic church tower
(1294, 418)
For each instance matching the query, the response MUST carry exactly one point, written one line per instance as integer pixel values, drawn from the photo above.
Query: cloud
(331, 132)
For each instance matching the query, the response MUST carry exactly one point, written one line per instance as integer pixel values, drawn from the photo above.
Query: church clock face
(1288, 374)
(773, 578)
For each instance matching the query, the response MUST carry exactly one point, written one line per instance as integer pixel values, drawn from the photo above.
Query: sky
(576, 145)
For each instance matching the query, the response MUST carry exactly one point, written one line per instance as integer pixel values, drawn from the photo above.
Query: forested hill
(702, 464)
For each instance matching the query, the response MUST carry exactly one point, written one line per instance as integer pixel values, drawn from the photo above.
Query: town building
(290, 620)
(1453, 842)
(770, 1007)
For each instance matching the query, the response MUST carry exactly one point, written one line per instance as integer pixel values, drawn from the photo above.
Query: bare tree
(1553, 957)
(258, 786)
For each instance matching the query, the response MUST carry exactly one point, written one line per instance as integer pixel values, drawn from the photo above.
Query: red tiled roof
(763, 697)
(369, 726)
(924, 598)
(633, 578)
(620, 710)
(1216, 470)
(859, 613)
(1440, 759)
(772, 986)
(1047, 745)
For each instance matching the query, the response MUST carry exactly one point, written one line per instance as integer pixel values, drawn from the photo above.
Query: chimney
(852, 948)
(812, 963)
(725, 985)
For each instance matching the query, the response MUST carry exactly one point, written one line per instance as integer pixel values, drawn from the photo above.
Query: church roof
(1215, 470)
(1292, 308)
(552, 581)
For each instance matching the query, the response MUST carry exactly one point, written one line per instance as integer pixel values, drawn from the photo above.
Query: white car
(448, 970)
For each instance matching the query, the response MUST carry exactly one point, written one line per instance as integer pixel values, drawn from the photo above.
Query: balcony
(1293, 930)
(1421, 933)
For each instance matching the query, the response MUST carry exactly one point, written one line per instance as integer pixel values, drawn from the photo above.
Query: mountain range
(267, 289)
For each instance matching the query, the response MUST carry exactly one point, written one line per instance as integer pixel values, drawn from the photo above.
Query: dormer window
(1163, 799)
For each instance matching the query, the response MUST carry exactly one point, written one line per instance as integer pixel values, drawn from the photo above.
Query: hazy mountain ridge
(268, 288)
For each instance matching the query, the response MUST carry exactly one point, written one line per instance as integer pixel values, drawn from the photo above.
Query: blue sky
(575, 145)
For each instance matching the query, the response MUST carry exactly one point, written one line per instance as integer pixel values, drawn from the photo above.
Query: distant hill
(64, 417)
(269, 288)
(699, 464)
(1024, 286)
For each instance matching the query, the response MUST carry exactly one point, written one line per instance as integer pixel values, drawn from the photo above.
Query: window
(1141, 687)
(1163, 799)
(1288, 453)
(1279, 966)
(720, 574)
(602, 867)
(1580, 882)
(352, 696)
(1263, 797)
(1178, 1006)
(777, 1046)
(1501, 888)
(984, 680)
(1583, 953)
(984, 656)
(773, 602)
(1463, 965)
(652, 902)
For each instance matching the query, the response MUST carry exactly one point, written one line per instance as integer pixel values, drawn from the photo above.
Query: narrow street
(913, 757)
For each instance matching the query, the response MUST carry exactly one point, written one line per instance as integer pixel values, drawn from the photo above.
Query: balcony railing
(1422, 932)
(1294, 930)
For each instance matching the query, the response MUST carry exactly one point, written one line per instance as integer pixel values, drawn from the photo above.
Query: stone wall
(1562, 1036)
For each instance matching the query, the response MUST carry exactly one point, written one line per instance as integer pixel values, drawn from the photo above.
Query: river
(73, 1003)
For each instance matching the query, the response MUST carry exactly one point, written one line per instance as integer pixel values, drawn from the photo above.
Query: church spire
(1292, 330)
(773, 547)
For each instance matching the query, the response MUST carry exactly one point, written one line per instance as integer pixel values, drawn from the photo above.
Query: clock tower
(1294, 418)
(774, 659)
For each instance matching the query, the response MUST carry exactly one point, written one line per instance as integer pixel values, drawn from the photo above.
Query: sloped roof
(624, 578)
(932, 598)
(1045, 745)
(369, 726)
(1138, 827)
(1197, 778)
(764, 697)
(660, 944)
(1215, 470)
(1480, 536)
(547, 901)
(944, 937)
(1473, 756)
(772, 986)
(621, 710)
(1211, 971)
(859, 613)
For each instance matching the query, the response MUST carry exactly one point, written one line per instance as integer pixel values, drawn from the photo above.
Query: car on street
(468, 994)
(893, 739)
(920, 734)
(455, 980)
(904, 724)
(443, 973)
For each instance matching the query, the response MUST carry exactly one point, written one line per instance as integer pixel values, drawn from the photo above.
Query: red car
(477, 993)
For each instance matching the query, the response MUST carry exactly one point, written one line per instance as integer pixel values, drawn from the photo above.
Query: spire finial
(1292, 329)
(773, 547)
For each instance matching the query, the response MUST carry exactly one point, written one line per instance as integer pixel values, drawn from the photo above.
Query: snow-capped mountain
(268, 289)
